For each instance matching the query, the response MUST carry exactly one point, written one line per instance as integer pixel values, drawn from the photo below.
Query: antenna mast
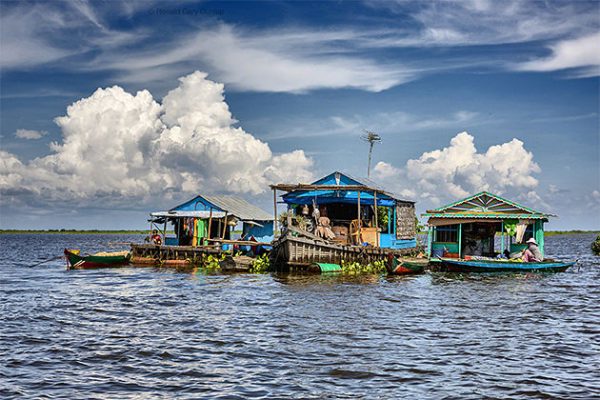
(371, 138)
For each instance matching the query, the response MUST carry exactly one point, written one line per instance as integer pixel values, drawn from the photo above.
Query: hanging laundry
(521, 228)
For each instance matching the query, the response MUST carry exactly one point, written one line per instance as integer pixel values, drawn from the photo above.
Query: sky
(110, 110)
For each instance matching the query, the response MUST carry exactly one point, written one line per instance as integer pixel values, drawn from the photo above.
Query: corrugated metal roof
(185, 213)
(341, 179)
(485, 215)
(239, 207)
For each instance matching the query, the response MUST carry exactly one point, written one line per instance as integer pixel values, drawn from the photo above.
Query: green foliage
(212, 262)
(260, 265)
(301, 221)
(574, 232)
(418, 227)
(298, 220)
(282, 218)
(78, 231)
(355, 268)
(382, 218)
(596, 246)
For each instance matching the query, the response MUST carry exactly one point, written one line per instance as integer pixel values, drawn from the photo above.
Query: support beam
(209, 223)
(358, 239)
(376, 219)
(224, 225)
(502, 237)
(429, 239)
(274, 213)
(460, 240)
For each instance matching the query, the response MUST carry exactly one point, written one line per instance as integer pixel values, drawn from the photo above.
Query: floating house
(204, 220)
(337, 216)
(203, 226)
(468, 227)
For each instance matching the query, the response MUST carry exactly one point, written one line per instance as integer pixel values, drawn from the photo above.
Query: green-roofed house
(468, 227)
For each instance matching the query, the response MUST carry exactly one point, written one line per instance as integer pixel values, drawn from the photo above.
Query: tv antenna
(371, 138)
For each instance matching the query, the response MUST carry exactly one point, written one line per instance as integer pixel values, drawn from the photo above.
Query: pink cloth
(529, 257)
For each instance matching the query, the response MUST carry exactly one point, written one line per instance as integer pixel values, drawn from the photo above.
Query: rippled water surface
(156, 333)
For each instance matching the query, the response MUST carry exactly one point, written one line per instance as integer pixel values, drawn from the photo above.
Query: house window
(448, 234)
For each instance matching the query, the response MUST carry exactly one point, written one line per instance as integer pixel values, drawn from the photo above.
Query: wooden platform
(185, 256)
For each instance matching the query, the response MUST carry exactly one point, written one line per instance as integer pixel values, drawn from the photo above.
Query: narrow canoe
(456, 265)
(76, 261)
(406, 267)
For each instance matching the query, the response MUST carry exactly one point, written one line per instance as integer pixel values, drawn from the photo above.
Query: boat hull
(76, 261)
(452, 265)
(409, 268)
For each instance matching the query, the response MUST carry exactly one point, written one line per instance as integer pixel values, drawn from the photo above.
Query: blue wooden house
(360, 212)
(205, 219)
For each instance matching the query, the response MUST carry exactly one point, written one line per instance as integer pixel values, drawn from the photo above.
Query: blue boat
(458, 265)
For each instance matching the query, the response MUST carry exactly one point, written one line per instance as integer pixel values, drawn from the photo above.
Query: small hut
(207, 219)
(469, 227)
(358, 212)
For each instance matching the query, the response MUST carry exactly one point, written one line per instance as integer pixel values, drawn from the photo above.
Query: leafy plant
(596, 246)
(301, 221)
(212, 262)
(418, 227)
(355, 268)
(382, 218)
(260, 265)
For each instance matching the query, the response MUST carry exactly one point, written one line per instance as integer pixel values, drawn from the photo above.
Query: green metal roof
(486, 205)
(487, 216)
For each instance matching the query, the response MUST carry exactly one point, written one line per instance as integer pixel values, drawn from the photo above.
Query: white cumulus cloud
(458, 170)
(30, 134)
(117, 145)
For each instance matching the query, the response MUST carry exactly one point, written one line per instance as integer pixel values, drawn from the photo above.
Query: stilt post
(274, 213)
(376, 219)
(358, 239)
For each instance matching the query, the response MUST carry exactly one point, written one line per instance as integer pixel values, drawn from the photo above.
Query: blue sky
(300, 82)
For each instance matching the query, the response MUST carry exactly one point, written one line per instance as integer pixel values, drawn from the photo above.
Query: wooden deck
(185, 256)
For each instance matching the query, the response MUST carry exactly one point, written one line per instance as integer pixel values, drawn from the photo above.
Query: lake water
(139, 333)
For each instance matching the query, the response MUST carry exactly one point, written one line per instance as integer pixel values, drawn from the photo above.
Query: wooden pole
(165, 232)
(274, 213)
(358, 240)
(209, 223)
(502, 237)
(429, 239)
(460, 240)
(224, 225)
(376, 221)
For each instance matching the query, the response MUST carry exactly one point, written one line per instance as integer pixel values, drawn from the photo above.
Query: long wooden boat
(106, 260)
(408, 267)
(459, 265)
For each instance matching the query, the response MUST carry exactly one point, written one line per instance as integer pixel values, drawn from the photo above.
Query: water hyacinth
(596, 246)
(260, 265)
(212, 262)
(355, 268)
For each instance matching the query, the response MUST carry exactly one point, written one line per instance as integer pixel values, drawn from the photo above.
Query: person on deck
(532, 253)
(155, 238)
